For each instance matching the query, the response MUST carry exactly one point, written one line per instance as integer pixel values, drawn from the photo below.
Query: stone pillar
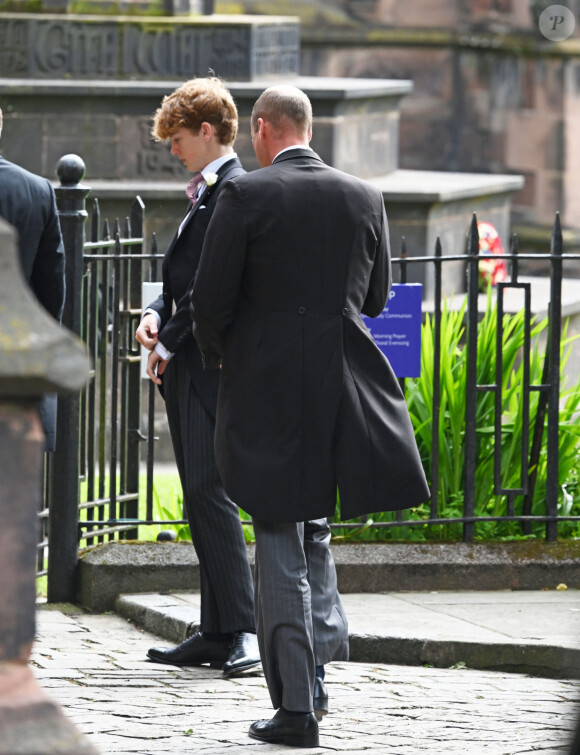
(36, 357)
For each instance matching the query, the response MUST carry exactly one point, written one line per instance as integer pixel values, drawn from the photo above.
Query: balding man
(307, 402)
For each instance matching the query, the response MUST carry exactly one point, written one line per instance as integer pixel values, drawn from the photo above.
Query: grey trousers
(227, 592)
(299, 615)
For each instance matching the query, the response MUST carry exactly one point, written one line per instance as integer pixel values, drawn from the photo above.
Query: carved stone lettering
(189, 51)
(13, 47)
(154, 160)
(231, 52)
(59, 47)
(276, 50)
(77, 50)
(185, 52)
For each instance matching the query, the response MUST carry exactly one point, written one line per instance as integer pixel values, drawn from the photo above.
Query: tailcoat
(178, 269)
(307, 402)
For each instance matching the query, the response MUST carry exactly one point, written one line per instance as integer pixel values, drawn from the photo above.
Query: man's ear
(262, 127)
(206, 130)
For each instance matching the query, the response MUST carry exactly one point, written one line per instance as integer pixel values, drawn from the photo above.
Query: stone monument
(90, 84)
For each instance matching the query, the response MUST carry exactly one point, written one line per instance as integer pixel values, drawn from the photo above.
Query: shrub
(451, 430)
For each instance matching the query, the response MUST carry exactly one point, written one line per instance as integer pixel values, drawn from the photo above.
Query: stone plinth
(108, 124)
(36, 355)
(356, 129)
(356, 121)
(111, 47)
(424, 205)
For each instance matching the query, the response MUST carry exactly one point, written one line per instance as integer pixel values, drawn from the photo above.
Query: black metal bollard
(64, 469)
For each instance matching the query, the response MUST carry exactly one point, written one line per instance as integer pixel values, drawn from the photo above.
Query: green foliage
(451, 430)
(167, 506)
(18, 6)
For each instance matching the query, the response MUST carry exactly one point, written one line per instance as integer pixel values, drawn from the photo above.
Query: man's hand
(156, 367)
(146, 333)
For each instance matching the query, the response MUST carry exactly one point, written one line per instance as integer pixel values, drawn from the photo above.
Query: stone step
(532, 632)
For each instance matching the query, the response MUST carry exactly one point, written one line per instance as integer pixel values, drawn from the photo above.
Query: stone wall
(483, 112)
(490, 94)
(429, 14)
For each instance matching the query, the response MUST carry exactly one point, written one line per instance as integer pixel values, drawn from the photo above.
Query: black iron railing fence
(93, 478)
(548, 389)
(106, 433)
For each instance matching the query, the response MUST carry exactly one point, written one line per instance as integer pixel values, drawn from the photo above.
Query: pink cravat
(193, 187)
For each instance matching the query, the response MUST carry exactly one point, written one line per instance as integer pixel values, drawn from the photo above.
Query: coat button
(301, 310)
(345, 311)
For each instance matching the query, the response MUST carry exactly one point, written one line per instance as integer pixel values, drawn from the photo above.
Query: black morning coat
(28, 203)
(179, 267)
(307, 402)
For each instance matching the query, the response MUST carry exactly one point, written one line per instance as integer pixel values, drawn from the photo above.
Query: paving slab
(124, 704)
(518, 631)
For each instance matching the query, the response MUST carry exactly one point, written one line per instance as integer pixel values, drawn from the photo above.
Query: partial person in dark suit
(200, 121)
(307, 402)
(28, 203)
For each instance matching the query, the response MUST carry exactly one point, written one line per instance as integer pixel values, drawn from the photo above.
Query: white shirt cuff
(162, 351)
(149, 311)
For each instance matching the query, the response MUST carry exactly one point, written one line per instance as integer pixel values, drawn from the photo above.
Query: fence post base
(29, 720)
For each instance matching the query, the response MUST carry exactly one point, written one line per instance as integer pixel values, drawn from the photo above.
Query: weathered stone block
(86, 47)
(424, 205)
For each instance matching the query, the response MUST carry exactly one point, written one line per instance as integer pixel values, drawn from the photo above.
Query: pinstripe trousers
(227, 594)
(299, 615)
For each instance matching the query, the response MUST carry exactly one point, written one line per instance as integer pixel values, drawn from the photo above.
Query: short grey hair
(285, 107)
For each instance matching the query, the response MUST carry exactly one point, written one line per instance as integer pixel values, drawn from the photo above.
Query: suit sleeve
(175, 325)
(380, 281)
(216, 291)
(47, 279)
(175, 331)
(157, 305)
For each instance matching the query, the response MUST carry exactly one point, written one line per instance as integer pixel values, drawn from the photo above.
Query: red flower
(490, 269)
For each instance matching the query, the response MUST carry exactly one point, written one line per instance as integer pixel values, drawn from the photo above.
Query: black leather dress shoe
(320, 698)
(294, 731)
(195, 651)
(244, 653)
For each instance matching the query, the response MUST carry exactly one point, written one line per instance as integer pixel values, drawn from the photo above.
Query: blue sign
(397, 330)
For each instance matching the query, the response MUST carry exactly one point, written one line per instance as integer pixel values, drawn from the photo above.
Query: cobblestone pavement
(95, 667)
